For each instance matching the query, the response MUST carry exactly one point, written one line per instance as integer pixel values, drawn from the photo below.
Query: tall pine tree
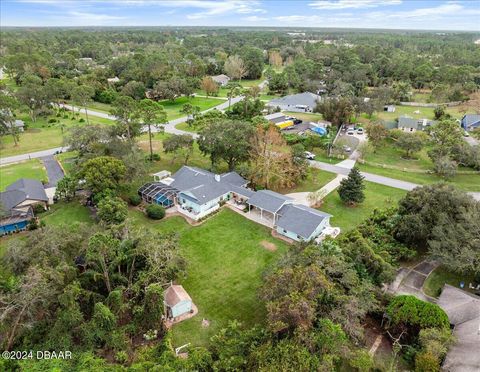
(351, 188)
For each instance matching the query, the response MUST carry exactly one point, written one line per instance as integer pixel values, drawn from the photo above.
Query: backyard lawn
(27, 169)
(305, 116)
(226, 257)
(315, 180)
(66, 159)
(440, 276)
(66, 213)
(173, 108)
(376, 197)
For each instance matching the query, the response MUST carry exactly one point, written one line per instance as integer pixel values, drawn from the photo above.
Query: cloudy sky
(393, 14)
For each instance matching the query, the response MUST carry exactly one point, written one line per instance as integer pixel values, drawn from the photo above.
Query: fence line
(408, 170)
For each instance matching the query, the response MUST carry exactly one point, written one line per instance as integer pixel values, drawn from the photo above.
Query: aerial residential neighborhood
(240, 185)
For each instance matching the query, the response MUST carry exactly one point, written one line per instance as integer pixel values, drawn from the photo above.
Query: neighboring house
(470, 122)
(301, 102)
(389, 108)
(221, 80)
(408, 124)
(177, 302)
(113, 80)
(301, 223)
(197, 193)
(19, 124)
(463, 310)
(17, 204)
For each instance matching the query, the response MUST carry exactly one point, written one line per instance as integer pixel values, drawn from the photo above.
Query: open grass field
(225, 262)
(27, 169)
(172, 108)
(42, 135)
(441, 276)
(376, 197)
(305, 116)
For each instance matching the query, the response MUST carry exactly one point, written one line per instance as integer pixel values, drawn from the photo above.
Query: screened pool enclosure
(158, 193)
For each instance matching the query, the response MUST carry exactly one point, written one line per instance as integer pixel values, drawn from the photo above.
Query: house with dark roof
(301, 223)
(17, 203)
(470, 122)
(301, 102)
(221, 79)
(196, 192)
(409, 124)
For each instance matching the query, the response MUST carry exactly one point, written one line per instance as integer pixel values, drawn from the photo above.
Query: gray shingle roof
(408, 122)
(203, 185)
(459, 306)
(10, 199)
(268, 200)
(304, 99)
(300, 219)
(471, 119)
(33, 189)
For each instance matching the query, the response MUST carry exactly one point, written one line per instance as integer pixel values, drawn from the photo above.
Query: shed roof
(269, 201)
(222, 78)
(176, 294)
(300, 219)
(300, 99)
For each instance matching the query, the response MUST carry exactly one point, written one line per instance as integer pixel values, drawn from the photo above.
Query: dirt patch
(268, 246)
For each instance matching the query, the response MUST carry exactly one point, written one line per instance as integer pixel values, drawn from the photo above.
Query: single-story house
(463, 310)
(389, 108)
(470, 121)
(301, 223)
(221, 79)
(17, 204)
(301, 102)
(409, 124)
(177, 302)
(197, 192)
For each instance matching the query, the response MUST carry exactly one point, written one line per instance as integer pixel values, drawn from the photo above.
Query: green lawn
(305, 116)
(66, 213)
(376, 197)
(66, 159)
(441, 276)
(27, 169)
(225, 262)
(187, 128)
(466, 182)
(315, 180)
(42, 135)
(173, 108)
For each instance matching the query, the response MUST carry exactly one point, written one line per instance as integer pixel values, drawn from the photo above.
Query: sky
(390, 14)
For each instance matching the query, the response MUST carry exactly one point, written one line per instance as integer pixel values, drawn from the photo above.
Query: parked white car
(359, 130)
(309, 155)
(351, 132)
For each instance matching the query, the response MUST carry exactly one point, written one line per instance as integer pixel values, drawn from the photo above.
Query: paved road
(169, 127)
(54, 171)
(387, 181)
(32, 155)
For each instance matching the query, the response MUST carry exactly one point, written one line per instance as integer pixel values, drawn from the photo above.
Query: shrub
(155, 157)
(52, 120)
(38, 208)
(32, 224)
(82, 120)
(134, 199)
(112, 211)
(65, 116)
(155, 211)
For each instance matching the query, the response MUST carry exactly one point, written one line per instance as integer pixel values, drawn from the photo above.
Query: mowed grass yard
(376, 197)
(413, 170)
(41, 135)
(441, 276)
(226, 257)
(27, 169)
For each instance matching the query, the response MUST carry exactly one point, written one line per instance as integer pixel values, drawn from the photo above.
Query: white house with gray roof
(301, 102)
(221, 79)
(197, 192)
(470, 121)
